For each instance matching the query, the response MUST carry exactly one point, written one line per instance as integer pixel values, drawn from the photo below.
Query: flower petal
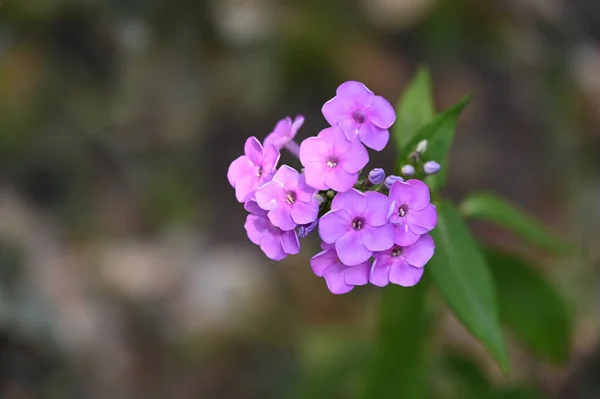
(314, 173)
(287, 177)
(269, 195)
(403, 274)
(336, 109)
(378, 208)
(245, 187)
(280, 215)
(378, 238)
(334, 277)
(305, 212)
(422, 221)
(404, 236)
(419, 197)
(420, 252)
(253, 150)
(290, 243)
(340, 181)
(360, 95)
(333, 225)
(304, 192)
(373, 136)
(336, 140)
(255, 228)
(270, 159)
(321, 261)
(240, 168)
(357, 275)
(381, 113)
(350, 127)
(356, 158)
(380, 272)
(296, 125)
(271, 246)
(352, 201)
(351, 250)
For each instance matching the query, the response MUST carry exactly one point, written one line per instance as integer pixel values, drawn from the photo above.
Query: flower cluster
(373, 229)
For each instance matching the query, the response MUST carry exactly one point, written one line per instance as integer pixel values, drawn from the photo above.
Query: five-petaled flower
(252, 169)
(360, 113)
(339, 278)
(274, 242)
(412, 214)
(331, 161)
(285, 130)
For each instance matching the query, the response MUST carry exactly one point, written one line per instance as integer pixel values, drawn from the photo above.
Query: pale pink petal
(360, 95)
(401, 193)
(336, 109)
(378, 208)
(351, 250)
(420, 252)
(271, 246)
(313, 149)
(315, 173)
(287, 177)
(289, 242)
(304, 192)
(352, 201)
(269, 195)
(403, 274)
(378, 238)
(245, 187)
(340, 181)
(333, 225)
(270, 158)
(351, 128)
(373, 136)
(240, 168)
(281, 217)
(422, 221)
(355, 158)
(321, 261)
(381, 113)
(253, 150)
(283, 126)
(255, 228)
(380, 272)
(296, 125)
(404, 236)
(334, 277)
(419, 197)
(336, 140)
(305, 212)
(357, 275)
(252, 207)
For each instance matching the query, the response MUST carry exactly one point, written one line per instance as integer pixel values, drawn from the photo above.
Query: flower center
(358, 223)
(332, 162)
(396, 251)
(290, 197)
(259, 171)
(358, 117)
(403, 210)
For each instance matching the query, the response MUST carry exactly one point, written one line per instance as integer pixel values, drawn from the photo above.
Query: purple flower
(402, 265)
(391, 179)
(274, 242)
(376, 176)
(412, 214)
(331, 161)
(285, 130)
(431, 167)
(289, 200)
(408, 170)
(358, 225)
(361, 113)
(251, 170)
(340, 278)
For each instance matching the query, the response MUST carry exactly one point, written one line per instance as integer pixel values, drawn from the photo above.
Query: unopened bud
(408, 170)
(431, 167)
(305, 229)
(376, 176)
(422, 147)
(390, 180)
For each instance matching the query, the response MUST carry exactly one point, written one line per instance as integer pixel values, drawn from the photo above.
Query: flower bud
(391, 179)
(422, 147)
(376, 176)
(431, 167)
(408, 170)
(305, 229)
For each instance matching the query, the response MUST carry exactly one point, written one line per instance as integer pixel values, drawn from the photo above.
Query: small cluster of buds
(373, 229)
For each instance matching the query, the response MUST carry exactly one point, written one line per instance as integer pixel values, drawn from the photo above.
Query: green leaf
(415, 108)
(493, 209)
(467, 380)
(439, 134)
(398, 367)
(461, 274)
(531, 307)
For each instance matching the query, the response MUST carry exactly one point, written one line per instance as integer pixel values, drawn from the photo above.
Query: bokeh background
(125, 271)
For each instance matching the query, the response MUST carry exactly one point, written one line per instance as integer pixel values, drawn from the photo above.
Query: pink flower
(402, 265)
(274, 242)
(289, 200)
(360, 113)
(254, 168)
(412, 214)
(339, 278)
(285, 131)
(358, 225)
(331, 161)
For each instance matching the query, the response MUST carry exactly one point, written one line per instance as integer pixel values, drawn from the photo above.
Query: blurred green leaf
(531, 307)
(398, 366)
(521, 393)
(460, 272)
(415, 108)
(467, 380)
(496, 210)
(439, 134)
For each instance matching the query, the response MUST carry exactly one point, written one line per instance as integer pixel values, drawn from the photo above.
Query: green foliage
(415, 109)
(460, 272)
(531, 307)
(439, 134)
(496, 210)
(398, 367)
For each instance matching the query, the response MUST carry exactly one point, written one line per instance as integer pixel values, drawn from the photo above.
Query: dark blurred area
(125, 271)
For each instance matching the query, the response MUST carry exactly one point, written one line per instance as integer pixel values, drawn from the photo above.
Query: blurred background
(125, 271)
